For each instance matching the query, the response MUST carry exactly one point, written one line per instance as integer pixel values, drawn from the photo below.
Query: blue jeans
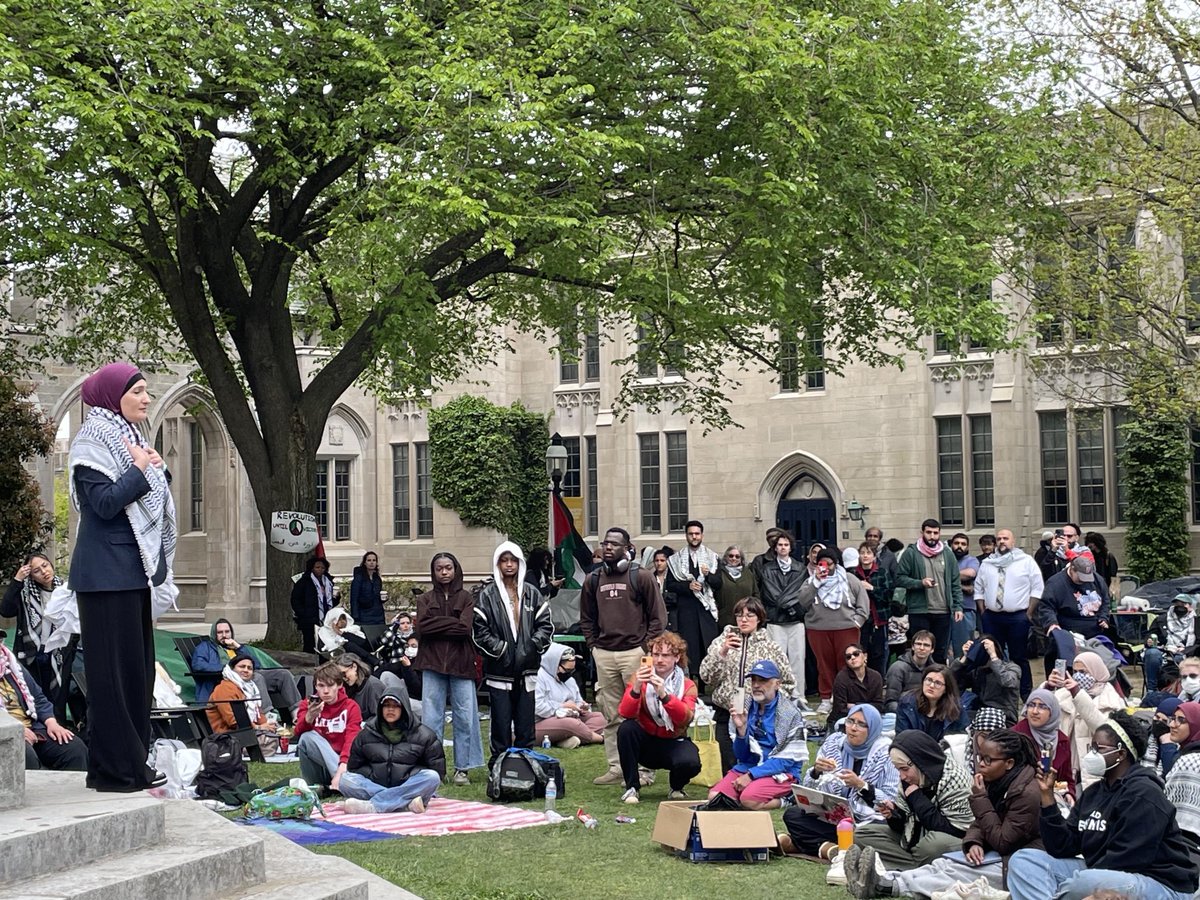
(421, 783)
(468, 740)
(1011, 631)
(1152, 659)
(318, 762)
(1036, 875)
(961, 632)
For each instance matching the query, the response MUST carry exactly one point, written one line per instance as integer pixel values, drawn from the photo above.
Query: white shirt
(1020, 580)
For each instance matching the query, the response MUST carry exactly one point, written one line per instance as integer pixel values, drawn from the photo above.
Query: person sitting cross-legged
(929, 817)
(395, 763)
(1122, 833)
(761, 779)
(855, 764)
(657, 707)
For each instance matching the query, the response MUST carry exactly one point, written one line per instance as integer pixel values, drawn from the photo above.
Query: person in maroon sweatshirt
(657, 707)
(326, 725)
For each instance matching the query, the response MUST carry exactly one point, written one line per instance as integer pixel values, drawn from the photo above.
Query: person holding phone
(835, 606)
(1043, 717)
(727, 664)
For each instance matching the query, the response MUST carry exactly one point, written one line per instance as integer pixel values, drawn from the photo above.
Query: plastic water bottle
(546, 742)
(551, 794)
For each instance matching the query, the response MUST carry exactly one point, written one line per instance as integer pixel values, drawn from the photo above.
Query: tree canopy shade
(397, 182)
(24, 435)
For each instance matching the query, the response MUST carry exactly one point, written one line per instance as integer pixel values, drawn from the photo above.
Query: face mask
(1095, 764)
(958, 553)
(410, 652)
(1181, 611)
(566, 676)
(1191, 684)
(1084, 680)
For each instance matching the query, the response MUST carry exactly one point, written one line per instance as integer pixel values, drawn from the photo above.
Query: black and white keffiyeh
(673, 686)
(100, 445)
(678, 564)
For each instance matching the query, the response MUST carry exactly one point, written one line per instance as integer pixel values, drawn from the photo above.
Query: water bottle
(551, 794)
(845, 834)
(546, 742)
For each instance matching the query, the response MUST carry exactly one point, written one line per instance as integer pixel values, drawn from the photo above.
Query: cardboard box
(702, 836)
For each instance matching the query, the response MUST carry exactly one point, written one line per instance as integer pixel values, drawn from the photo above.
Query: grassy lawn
(567, 860)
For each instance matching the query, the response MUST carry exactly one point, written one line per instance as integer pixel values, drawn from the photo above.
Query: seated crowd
(958, 779)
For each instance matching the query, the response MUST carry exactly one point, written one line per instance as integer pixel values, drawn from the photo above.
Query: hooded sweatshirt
(338, 722)
(512, 643)
(1127, 827)
(552, 693)
(443, 626)
(388, 755)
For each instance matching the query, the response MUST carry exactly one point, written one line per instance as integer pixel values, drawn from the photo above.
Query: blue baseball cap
(764, 668)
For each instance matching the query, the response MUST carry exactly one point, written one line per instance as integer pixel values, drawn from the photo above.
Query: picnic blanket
(442, 816)
(312, 832)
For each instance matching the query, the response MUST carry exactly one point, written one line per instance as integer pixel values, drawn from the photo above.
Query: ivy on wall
(1158, 453)
(487, 463)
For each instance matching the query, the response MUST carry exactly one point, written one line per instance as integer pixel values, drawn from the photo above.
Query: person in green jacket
(928, 572)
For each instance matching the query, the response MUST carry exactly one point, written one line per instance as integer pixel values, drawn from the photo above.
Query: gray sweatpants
(942, 874)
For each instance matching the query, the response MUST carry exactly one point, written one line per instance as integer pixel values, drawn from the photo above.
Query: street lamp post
(556, 467)
(857, 512)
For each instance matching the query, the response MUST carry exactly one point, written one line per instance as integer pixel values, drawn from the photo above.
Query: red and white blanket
(442, 816)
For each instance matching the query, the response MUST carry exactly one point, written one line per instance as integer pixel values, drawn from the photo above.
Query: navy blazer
(106, 556)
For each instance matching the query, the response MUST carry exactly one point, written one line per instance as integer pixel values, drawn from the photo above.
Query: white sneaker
(825, 707)
(569, 743)
(630, 796)
(358, 807)
(837, 870)
(979, 889)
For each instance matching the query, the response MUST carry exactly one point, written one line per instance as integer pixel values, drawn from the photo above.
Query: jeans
(318, 762)
(421, 783)
(1036, 875)
(468, 742)
(961, 632)
(1011, 631)
(1152, 660)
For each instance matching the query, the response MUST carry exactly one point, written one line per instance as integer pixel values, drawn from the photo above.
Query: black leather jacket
(507, 657)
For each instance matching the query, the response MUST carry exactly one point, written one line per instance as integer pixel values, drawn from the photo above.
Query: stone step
(297, 885)
(63, 820)
(201, 856)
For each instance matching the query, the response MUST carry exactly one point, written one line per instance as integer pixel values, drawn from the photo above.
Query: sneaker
(676, 795)
(155, 778)
(570, 743)
(461, 778)
(358, 807)
(825, 707)
(862, 878)
(631, 796)
(979, 889)
(417, 805)
(837, 870)
(646, 777)
(612, 776)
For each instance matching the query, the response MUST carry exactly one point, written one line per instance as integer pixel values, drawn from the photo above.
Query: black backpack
(520, 776)
(221, 766)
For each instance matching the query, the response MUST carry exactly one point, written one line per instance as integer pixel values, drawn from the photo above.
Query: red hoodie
(680, 709)
(338, 722)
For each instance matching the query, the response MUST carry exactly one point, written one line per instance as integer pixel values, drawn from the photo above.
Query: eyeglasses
(733, 556)
(1103, 751)
(612, 543)
(936, 682)
(989, 760)
(1035, 704)
(855, 723)
(745, 614)
(1178, 720)
(923, 645)
(854, 654)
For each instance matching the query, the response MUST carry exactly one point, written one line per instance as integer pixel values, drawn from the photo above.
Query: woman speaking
(120, 572)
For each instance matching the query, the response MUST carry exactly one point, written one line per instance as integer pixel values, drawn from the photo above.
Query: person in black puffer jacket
(394, 764)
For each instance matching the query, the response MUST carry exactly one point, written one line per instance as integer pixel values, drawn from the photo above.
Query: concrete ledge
(63, 820)
(12, 761)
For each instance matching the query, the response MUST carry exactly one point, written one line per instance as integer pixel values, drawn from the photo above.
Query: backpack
(222, 768)
(520, 776)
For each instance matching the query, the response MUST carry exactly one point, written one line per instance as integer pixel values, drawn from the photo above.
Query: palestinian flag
(572, 558)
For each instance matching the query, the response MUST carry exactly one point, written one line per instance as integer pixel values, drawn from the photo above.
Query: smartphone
(1057, 532)
(1060, 666)
(647, 662)
(313, 698)
(738, 702)
(1046, 757)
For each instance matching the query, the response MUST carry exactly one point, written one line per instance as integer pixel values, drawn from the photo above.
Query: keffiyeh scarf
(1179, 629)
(678, 565)
(249, 689)
(100, 445)
(831, 590)
(9, 665)
(673, 686)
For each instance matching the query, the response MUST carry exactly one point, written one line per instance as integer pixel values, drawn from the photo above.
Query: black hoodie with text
(1126, 827)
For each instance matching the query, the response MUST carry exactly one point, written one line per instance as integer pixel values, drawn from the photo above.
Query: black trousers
(512, 718)
(118, 636)
(939, 625)
(808, 832)
(724, 739)
(69, 757)
(308, 637)
(698, 629)
(635, 747)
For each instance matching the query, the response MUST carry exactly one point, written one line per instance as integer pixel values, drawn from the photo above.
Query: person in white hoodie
(1008, 587)
(512, 629)
(562, 713)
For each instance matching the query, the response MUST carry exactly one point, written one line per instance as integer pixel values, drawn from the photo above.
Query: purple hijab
(107, 385)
